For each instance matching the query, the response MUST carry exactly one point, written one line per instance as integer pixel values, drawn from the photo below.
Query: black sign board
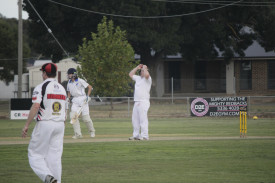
(19, 108)
(217, 106)
(21, 104)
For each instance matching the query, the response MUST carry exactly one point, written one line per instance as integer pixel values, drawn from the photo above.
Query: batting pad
(74, 117)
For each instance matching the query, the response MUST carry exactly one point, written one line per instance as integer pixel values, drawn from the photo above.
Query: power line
(14, 59)
(145, 17)
(194, 1)
(219, 2)
(11, 59)
(49, 30)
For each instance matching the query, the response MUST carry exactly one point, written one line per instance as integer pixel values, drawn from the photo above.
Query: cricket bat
(78, 112)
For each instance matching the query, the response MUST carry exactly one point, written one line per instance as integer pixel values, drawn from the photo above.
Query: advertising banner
(19, 114)
(20, 108)
(217, 106)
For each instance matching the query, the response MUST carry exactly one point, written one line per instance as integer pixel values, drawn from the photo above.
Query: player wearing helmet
(72, 73)
(76, 89)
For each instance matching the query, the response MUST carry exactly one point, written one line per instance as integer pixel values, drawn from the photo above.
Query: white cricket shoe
(143, 138)
(92, 134)
(77, 136)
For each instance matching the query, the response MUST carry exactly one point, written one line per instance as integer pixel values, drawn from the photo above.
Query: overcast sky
(9, 9)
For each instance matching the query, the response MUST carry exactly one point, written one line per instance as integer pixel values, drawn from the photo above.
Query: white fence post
(187, 103)
(249, 107)
(172, 89)
(128, 106)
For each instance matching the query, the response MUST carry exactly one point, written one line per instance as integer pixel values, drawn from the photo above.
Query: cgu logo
(199, 106)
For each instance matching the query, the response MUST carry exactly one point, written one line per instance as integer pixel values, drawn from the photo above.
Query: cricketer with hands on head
(46, 144)
(141, 98)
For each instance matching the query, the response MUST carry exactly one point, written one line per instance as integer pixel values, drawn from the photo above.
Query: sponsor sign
(217, 106)
(19, 114)
(20, 108)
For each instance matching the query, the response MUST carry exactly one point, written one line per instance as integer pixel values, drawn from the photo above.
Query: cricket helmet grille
(73, 72)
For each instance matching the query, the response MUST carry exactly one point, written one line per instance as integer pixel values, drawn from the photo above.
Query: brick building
(253, 74)
(257, 79)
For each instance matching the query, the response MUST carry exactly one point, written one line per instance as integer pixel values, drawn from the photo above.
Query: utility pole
(20, 49)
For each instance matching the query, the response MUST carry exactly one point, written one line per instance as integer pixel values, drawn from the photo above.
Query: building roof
(41, 62)
(255, 50)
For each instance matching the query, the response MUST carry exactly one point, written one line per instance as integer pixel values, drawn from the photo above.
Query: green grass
(235, 160)
(192, 127)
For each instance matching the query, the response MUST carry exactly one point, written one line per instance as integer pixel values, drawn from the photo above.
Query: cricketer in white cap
(46, 144)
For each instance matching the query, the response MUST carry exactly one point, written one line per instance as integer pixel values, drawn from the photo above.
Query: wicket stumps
(243, 122)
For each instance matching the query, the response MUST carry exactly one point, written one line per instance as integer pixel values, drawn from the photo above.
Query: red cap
(49, 68)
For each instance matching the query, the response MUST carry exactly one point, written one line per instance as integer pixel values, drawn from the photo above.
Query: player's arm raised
(146, 72)
(133, 72)
(33, 111)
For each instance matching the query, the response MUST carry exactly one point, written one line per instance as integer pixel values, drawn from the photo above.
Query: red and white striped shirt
(52, 98)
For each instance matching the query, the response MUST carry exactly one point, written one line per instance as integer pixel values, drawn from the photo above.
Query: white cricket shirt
(142, 88)
(77, 88)
(52, 98)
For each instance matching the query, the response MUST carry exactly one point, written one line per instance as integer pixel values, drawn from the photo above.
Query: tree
(265, 27)
(160, 35)
(221, 30)
(9, 48)
(67, 25)
(196, 36)
(106, 60)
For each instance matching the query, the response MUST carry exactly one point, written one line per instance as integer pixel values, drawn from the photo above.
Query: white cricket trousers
(46, 148)
(140, 119)
(76, 105)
